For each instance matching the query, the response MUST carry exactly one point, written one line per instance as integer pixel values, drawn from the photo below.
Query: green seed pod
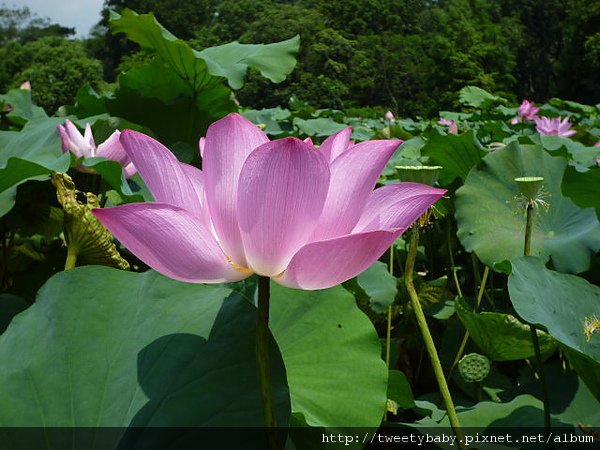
(474, 367)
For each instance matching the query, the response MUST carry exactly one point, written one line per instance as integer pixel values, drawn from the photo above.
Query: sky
(80, 14)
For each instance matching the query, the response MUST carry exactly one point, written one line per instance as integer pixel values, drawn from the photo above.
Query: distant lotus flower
(83, 146)
(26, 85)
(554, 127)
(451, 124)
(597, 144)
(527, 113)
(390, 116)
(306, 217)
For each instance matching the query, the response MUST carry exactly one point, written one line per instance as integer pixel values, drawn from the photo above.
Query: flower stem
(388, 334)
(429, 344)
(528, 229)
(262, 359)
(71, 261)
(534, 339)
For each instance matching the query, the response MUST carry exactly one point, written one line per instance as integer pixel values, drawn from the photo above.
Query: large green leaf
(379, 285)
(477, 97)
(323, 126)
(523, 411)
(564, 304)
(491, 221)
(198, 68)
(399, 390)
(571, 406)
(102, 347)
(154, 96)
(501, 337)
(579, 155)
(332, 356)
(583, 187)
(18, 101)
(10, 305)
(182, 90)
(457, 154)
(34, 152)
(274, 61)
(274, 120)
(587, 368)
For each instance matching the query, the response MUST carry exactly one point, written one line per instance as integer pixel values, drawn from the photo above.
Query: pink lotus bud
(83, 146)
(451, 124)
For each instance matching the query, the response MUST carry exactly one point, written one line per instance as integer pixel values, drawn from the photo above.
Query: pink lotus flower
(390, 116)
(83, 146)
(527, 113)
(451, 124)
(307, 217)
(26, 85)
(554, 127)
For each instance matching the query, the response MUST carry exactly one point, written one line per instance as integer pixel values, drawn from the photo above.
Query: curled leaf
(84, 235)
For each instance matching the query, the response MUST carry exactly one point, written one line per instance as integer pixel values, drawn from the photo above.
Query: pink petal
(170, 240)
(336, 144)
(397, 206)
(353, 178)
(283, 185)
(113, 150)
(73, 141)
(196, 178)
(228, 143)
(320, 265)
(129, 170)
(161, 171)
(88, 137)
(201, 144)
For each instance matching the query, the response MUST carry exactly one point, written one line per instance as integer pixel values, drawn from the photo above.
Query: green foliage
(408, 56)
(399, 390)
(566, 305)
(379, 286)
(42, 63)
(189, 339)
(501, 337)
(457, 155)
(332, 357)
(491, 217)
(182, 85)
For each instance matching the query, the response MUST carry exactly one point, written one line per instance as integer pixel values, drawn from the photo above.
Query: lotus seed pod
(419, 174)
(474, 367)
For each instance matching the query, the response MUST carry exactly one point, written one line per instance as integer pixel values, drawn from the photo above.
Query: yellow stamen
(237, 267)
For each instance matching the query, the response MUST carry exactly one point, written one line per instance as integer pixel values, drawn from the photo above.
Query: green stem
(388, 337)
(71, 261)
(451, 255)
(540, 367)
(533, 329)
(427, 338)
(262, 359)
(388, 334)
(528, 228)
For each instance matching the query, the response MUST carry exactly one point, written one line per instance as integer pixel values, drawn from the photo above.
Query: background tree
(56, 68)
